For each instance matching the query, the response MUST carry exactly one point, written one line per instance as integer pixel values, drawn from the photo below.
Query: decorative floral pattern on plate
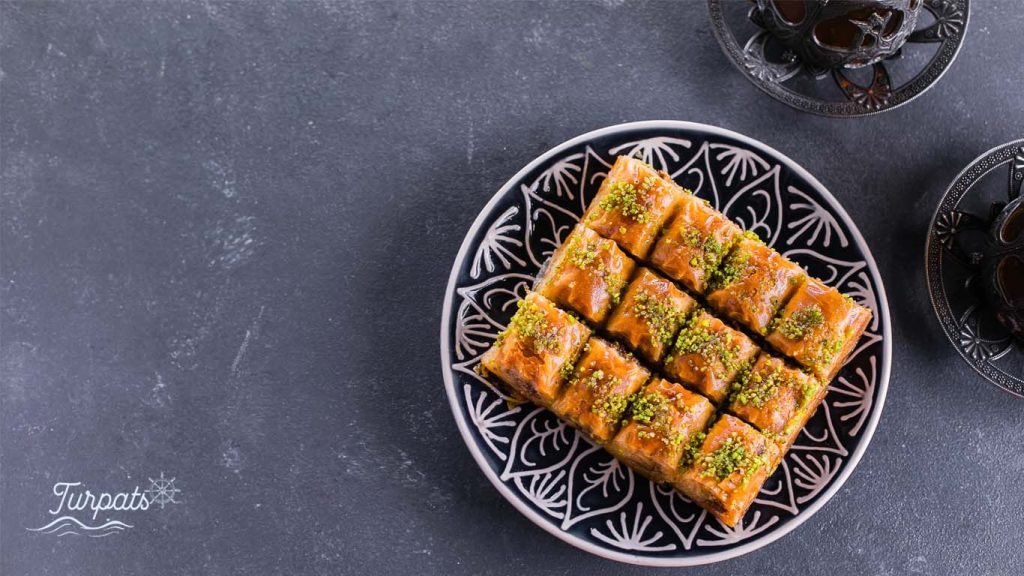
(547, 469)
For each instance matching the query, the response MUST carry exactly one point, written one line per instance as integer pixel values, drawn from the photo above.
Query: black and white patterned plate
(549, 471)
(966, 319)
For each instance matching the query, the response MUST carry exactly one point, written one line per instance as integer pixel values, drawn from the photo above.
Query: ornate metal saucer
(929, 51)
(954, 281)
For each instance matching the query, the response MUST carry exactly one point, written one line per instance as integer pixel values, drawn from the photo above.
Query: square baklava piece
(632, 205)
(728, 469)
(752, 283)
(533, 354)
(777, 399)
(663, 427)
(819, 328)
(586, 274)
(694, 243)
(708, 355)
(597, 394)
(650, 315)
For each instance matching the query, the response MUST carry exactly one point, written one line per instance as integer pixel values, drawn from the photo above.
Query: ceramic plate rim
(695, 560)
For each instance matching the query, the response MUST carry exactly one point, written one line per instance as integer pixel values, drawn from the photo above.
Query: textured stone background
(227, 229)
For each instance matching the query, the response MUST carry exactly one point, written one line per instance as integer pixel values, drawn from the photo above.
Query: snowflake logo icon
(162, 491)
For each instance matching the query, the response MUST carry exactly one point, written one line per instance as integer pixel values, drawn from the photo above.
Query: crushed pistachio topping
(531, 323)
(732, 456)
(661, 318)
(713, 346)
(646, 407)
(566, 371)
(712, 253)
(733, 269)
(613, 286)
(750, 234)
(802, 322)
(829, 348)
(652, 410)
(691, 237)
(582, 254)
(755, 388)
(609, 405)
(808, 388)
(588, 255)
(710, 249)
(624, 197)
(778, 438)
(692, 451)
(594, 380)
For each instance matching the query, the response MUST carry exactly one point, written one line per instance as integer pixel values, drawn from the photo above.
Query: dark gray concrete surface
(227, 228)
